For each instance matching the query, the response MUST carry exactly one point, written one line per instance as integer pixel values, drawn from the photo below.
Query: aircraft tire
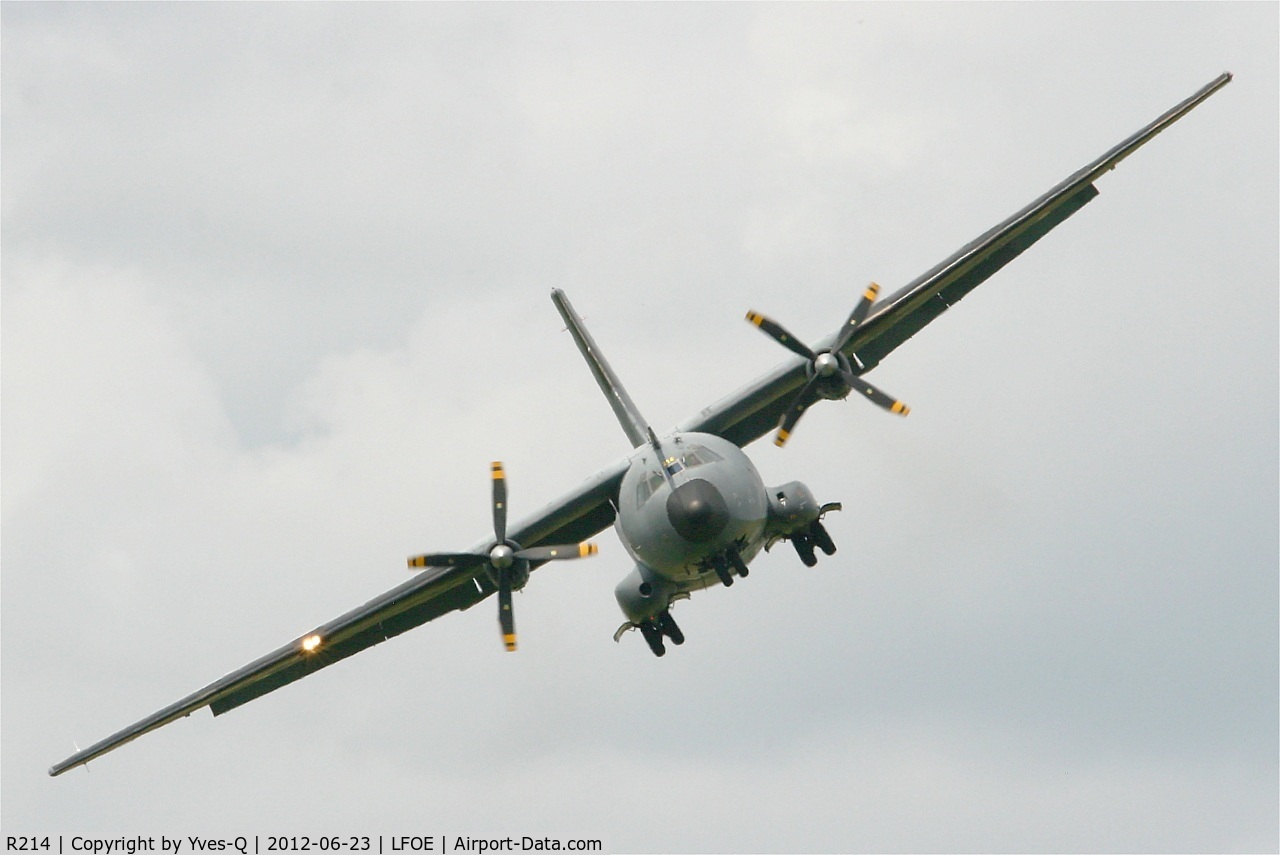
(653, 635)
(669, 628)
(804, 548)
(818, 534)
(722, 571)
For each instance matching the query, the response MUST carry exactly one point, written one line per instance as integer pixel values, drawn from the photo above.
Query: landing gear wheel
(653, 635)
(736, 561)
(804, 548)
(818, 534)
(668, 626)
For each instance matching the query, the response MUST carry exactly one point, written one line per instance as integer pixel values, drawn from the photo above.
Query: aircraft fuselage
(693, 513)
(710, 498)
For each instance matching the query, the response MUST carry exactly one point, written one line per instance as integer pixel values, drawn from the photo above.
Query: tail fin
(633, 424)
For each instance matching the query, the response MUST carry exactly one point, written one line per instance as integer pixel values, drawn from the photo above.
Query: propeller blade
(500, 559)
(499, 502)
(778, 333)
(798, 406)
(558, 553)
(857, 316)
(448, 559)
(876, 397)
(506, 617)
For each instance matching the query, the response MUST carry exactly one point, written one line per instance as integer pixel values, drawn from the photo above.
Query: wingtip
(58, 768)
(1217, 83)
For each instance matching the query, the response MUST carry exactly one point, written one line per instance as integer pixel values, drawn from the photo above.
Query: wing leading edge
(574, 517)
(741, 417)
(755, 409)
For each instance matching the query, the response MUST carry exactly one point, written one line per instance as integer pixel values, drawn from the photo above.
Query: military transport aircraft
(689, 507)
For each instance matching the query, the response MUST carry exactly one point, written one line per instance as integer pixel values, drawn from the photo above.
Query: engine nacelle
(831, 387)
(643, 594)
(792, 507)
(519, 570)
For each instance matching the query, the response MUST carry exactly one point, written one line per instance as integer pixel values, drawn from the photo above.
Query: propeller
(505, 560)
(830, 375)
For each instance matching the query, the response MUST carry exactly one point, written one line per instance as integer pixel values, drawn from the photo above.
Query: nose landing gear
(729, 560)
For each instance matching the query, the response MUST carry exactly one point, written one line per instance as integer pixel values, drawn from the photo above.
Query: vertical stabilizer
(636, 428)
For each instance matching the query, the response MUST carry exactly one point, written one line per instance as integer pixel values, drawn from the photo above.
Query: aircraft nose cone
(697, 511)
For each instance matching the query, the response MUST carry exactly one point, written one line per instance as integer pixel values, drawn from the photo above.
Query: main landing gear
(655, 629)
(815, 535)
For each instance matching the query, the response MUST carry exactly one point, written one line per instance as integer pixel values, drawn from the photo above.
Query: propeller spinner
(830, 375)
(504, 559)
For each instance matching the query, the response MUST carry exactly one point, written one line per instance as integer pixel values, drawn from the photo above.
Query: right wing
(428, 595)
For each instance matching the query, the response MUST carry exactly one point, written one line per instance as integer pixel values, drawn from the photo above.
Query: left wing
(756, 409)
(428, 595)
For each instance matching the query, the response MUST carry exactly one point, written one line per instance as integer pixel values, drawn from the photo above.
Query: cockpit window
(697, 455)
(694, 455)
(646, 487)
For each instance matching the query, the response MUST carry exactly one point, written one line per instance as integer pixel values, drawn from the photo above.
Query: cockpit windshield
(689, 457)
(696, 455)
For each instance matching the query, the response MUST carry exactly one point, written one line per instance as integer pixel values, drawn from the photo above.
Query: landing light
(310, 643)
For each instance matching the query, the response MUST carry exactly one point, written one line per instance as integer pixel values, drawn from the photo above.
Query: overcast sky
(275, 292)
